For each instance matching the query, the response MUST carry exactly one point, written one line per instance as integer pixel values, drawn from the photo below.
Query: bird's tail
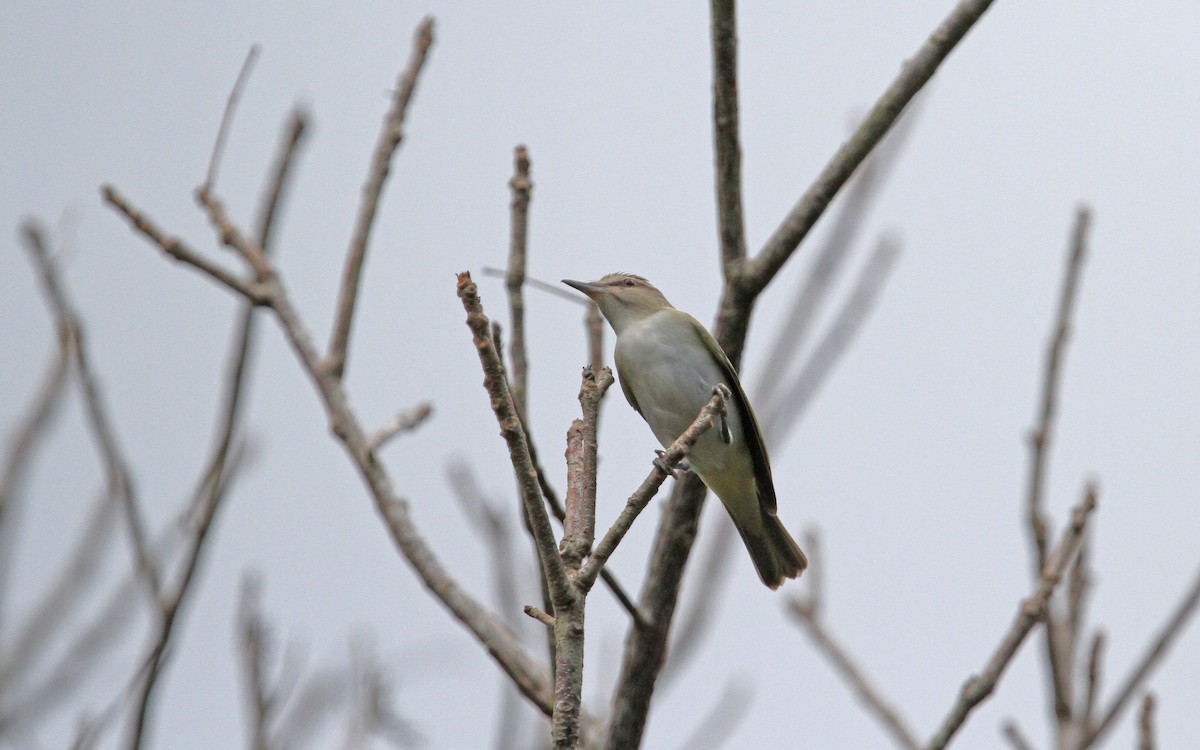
(775, 554)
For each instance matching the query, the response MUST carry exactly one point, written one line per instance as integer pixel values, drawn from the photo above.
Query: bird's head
(623, 298)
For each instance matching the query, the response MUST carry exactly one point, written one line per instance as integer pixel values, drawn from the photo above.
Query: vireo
(668, 365)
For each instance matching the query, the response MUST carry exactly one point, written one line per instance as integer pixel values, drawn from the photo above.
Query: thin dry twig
(26, 436)
(807, 611)
(494, 529)
(1094, 675)
(118, 475)
(390, 138)
(522, 189)
(815, 286)
(1146, 724)
(1031, 611)
(1013, 734)
(916, 72)
(404, 421)
(176, 249)
(514, 436)
(663, 467)
(1154, 653)
(784, 414)
(254, 647)
(210, 179)
(1059, 655)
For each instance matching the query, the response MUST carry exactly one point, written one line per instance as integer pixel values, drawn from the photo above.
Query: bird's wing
(754, 438)
(629, 393)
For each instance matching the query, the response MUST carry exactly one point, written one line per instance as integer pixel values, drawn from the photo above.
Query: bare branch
(52, 611)
(663, 467)
(807, 612)
(785, 413)
(522, 189)
(1146, 724)
(24, 440)
(404, 421)
(116, 467)
(276, 187)
(1094, 674)
(210, 179)
(175, 248)
(492, 527)
(1031, 611)
(726, 143)
(916, 72)
(1013, 734)
(389, 140)
(514, 436)
(579, 526)
(254, 646)
(539, 615)
(816, 285)
(1154, 653)
(1059, 655)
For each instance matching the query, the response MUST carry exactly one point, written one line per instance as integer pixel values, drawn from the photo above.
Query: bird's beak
(588, 288)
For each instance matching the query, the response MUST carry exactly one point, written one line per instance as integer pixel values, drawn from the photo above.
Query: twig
(579, 526)
(807, 612)
(784, 414)
(1094, 675)
(726, 144)
(514, 436)
(175, 248)
(500, 642)
(816, 285)
(22, 444)
(1146, 724)
(913, 76)
(404, 421)
(1157, 649)
(496, 533)
(522, 188)
(212, 494)
(663, 467)
(52, 612)
(539, 615)
(116, 467)
(1030, 612)
(389, 140)
(276, 187)
(212, 487)
(691, 627)
(1013, 734)
(1058, 655)
(210, 179)
(594, 324)
(254, 642)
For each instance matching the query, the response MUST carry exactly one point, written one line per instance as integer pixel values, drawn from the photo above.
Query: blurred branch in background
(807, 611)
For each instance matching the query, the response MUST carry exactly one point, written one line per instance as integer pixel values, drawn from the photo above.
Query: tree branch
(1154, 653)
(389, 140)
(726, 145)
(913, 76)
(1031, 611)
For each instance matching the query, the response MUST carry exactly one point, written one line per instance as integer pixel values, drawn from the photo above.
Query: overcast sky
(911, 462)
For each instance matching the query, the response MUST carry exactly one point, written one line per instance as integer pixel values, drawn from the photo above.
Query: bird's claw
(680, 469)
(722, 390)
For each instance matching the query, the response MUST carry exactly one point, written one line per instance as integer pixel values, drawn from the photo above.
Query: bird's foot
(723, 430)
(680, 469)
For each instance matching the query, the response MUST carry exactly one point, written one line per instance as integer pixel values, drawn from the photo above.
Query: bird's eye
(629, 282)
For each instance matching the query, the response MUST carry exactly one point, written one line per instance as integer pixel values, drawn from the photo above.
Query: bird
(668, 365)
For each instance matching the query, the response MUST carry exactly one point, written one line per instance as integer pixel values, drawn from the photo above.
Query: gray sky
(912, 461)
